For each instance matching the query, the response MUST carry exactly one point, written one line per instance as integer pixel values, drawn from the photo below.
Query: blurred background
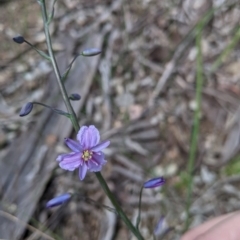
(144, 94)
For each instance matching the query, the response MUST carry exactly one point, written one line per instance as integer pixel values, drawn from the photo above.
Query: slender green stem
(41, 53)
(139, 208)
(55, 67)
(58, 111)
(194, 138)
(75, 123)
(117, 206)
(196, 123)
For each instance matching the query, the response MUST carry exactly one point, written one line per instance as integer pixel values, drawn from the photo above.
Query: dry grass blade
(29, 227)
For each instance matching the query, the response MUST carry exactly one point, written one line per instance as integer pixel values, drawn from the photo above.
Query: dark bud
(74, 97)
(91, 52)
(19, 39)
(26, 109)
(59, 200)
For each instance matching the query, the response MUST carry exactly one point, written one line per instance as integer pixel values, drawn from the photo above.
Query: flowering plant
(87, 152)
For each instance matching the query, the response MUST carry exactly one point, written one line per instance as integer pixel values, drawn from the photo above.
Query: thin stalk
(58, 111)
(196, 123)
(117, 206)
(76, 126)
(139, 208)
(69, 107)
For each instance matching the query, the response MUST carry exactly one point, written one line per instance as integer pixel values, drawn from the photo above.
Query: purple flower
(59, 200)
(154, 182)
(86, 153)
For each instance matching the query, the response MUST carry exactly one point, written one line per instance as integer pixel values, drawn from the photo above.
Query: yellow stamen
(87, 155)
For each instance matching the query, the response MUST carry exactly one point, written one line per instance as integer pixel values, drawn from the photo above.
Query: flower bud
(19, 39)
(59, 200)
(26, 109)
(161, 227)
(74, 97)
(154, 182)
(91, 52)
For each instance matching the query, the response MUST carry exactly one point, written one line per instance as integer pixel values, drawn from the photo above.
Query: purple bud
(154, 182)
(59, 200)
(26, 109)
(91, 52)
(74, 97)
(161, 227)
(19, 39)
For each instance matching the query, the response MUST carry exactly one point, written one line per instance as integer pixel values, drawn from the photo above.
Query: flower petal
(88, 136)
(73, 145)
(82, 171)
(93, 167)
(99, 158)
(61, 156)
(70, 161)
(100, 146)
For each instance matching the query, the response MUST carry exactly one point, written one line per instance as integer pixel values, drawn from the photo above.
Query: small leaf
(19, 39)
(91, 52)
(26, 109)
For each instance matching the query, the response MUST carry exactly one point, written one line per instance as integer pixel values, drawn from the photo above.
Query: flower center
(86, 155)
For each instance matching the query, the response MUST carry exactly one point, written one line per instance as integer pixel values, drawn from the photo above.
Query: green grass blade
(196, 123)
